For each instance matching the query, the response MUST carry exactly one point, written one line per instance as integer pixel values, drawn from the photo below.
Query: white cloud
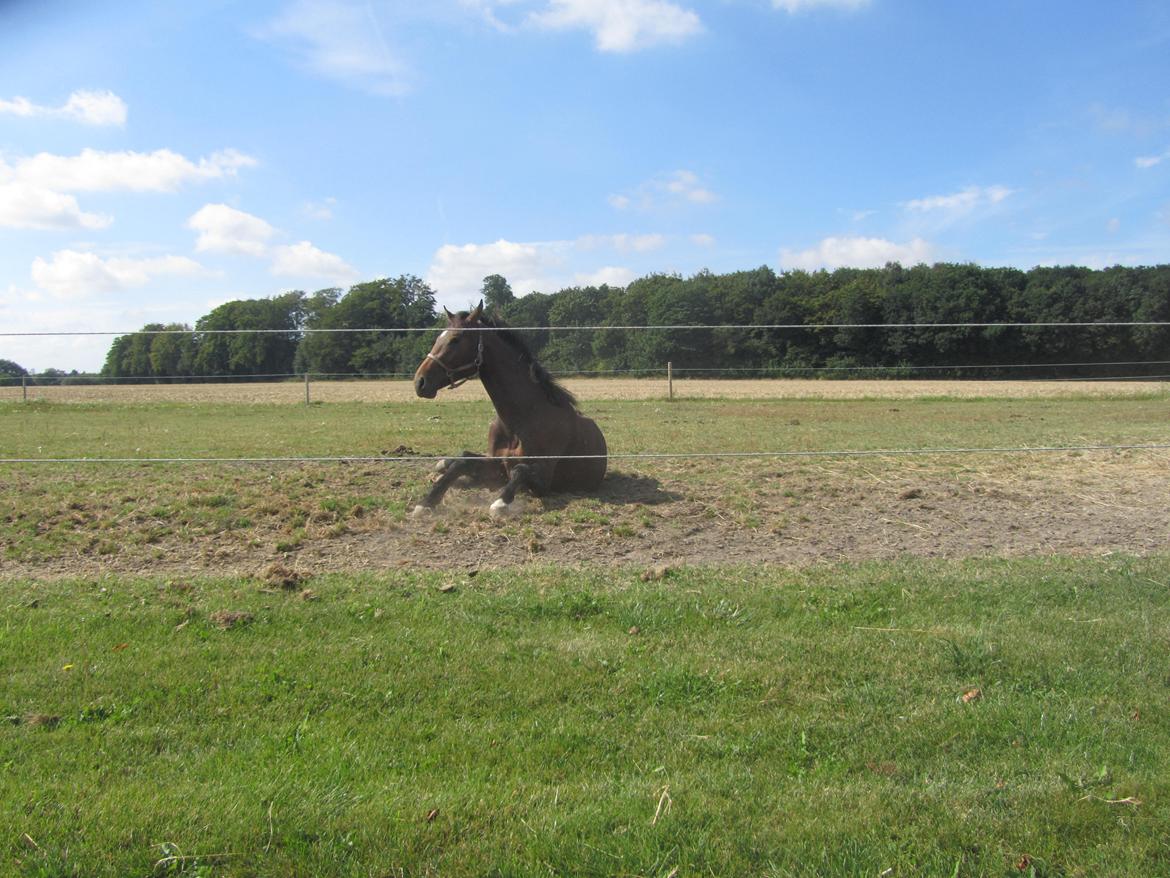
(341, 40)
(95, 171)
(224, 229)
(681, 187)
(685, 184)
(19, 106)
(457, 270)
(34, 190)
(307, 261)
(96, 108)
(32, 310)
(87, 107)
(1149, 161)
(24, 206)
(623, 243)
(959, 203)
(73, 274)
(793, 6)
(319, 210)
(857, 252)
(702, 239)
(621, 25)
(610, 275)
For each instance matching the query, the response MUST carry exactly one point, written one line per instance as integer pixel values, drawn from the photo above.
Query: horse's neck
(509, 384)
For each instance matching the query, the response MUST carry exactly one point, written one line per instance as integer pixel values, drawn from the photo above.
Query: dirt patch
(690, 512)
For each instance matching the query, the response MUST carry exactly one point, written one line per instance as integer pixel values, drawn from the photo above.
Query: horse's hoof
(500, 509)
(421, 511)
(441, 466)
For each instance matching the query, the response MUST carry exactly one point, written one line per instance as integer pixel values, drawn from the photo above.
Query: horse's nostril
(420, 383)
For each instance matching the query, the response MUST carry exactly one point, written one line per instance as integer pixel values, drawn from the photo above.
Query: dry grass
(382, 391)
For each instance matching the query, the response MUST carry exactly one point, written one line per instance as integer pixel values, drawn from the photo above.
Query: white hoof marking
(420, 511)
(500, 509)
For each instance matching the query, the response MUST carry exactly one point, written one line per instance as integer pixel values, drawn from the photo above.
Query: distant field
(590, 389)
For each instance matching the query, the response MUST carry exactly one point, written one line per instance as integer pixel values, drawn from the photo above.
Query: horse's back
(586, 472)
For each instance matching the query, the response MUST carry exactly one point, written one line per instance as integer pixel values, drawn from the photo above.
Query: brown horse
(538, 441)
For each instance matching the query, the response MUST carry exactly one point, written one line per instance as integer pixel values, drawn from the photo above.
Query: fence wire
(758, 371)
(632, 455)
(664, 327)
(628, 456)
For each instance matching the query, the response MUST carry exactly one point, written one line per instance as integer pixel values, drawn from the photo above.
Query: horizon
(157, 160)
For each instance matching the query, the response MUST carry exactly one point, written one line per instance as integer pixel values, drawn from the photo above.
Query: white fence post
(670, 380)
(306, 388)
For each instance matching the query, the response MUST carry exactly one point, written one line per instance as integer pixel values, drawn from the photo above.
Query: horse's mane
(554, 391)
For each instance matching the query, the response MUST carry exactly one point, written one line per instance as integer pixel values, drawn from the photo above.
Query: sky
(158, 159)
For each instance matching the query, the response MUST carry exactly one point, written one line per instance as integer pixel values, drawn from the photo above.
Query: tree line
(874, 302)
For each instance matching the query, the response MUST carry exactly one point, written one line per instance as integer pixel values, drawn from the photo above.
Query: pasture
(870, 665)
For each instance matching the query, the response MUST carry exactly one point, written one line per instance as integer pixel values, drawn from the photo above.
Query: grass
(725, 721)
(40, 429)
(55, 511)
(959, 718)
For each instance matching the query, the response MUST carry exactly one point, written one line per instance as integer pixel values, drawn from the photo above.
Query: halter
(453, 373)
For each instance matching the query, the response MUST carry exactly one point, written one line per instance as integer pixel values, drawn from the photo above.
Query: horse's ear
(450, 316)
(476, 313)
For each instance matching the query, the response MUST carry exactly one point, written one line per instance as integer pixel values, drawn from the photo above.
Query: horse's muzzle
(424, 386)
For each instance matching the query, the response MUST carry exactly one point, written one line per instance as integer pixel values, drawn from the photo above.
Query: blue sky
(157, 159)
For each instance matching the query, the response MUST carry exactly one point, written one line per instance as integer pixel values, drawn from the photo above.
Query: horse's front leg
(479, 467)
(533, 476)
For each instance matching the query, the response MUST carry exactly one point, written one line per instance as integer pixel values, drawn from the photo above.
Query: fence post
(24, 388)
(306, 388)
(670, 380)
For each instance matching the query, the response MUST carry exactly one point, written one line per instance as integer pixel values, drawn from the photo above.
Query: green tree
(365, 326)
(531, 311)
(172, 354)
(572, 350)
(496, 293)
(10, 371)
(224, 347)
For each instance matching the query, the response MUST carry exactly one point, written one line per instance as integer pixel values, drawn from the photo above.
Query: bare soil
(689, 512)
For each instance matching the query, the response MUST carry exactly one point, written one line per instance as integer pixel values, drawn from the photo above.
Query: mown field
(267, 669)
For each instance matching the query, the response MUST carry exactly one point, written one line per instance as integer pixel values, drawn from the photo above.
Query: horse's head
(455, 357)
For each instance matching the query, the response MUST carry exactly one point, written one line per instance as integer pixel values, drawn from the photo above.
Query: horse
(539, 440)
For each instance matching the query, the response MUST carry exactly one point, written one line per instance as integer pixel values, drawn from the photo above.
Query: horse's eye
(455, 339)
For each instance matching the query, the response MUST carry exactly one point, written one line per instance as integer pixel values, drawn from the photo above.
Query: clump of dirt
(41, 720)
(227, 619)
(280, 575)
(658, 571)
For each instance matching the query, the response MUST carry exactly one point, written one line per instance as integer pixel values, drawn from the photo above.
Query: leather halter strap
(471, 369)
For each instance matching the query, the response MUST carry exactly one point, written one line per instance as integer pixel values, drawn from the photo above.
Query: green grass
(53, 511)
(725, 721)
(364, 429)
